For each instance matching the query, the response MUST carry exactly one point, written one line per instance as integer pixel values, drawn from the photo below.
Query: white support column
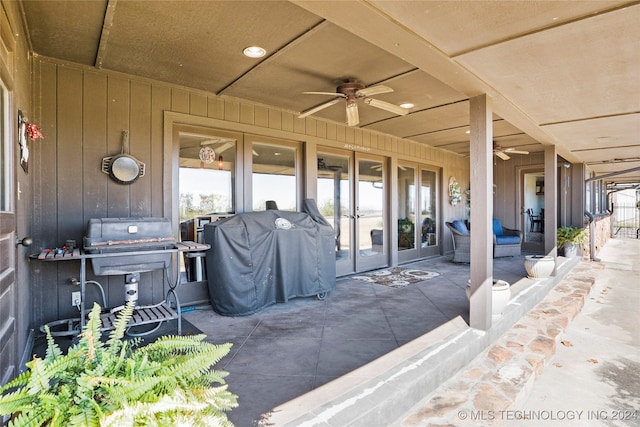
(550, 202)
(481, 162)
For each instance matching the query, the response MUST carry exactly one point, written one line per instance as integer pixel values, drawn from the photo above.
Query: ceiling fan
(352, 91)
(502, 153)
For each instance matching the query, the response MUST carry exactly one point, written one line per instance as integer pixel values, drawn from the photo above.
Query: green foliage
(572, 235)
(118, 383)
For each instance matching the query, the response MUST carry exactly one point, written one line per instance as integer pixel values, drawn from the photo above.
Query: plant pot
(500, 296)
(572, 251)
(539, 266)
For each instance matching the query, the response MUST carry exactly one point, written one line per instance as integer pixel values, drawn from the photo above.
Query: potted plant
(406, 231)
(118, 383)
(571, 240)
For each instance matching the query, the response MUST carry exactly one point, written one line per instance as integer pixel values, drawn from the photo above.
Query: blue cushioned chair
(506, 241)
(461, 241)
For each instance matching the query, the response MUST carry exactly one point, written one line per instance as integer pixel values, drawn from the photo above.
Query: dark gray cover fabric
(261, 258)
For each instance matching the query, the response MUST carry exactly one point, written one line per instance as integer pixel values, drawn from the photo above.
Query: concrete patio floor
(290, 349)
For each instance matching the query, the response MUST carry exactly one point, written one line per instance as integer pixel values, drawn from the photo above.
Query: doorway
(418, 220)
(8, 264)
(351, 197)
(532, 209)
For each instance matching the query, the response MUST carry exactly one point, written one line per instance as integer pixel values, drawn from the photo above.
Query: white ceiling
(558, 72)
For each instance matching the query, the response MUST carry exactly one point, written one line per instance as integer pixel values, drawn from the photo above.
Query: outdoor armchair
(506, 241)
(461, 241)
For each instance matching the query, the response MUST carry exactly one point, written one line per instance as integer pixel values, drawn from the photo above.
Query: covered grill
(261, 258)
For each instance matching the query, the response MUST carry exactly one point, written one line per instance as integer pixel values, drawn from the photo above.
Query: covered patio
(290, 349)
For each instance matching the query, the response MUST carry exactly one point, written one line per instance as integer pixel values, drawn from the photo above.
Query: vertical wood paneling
(160, 192)
(45, 200)
(248, 115)
(216, 107)
(231, 111)
(299, 125)
(275, 119)
(287, 122)
(179, 101)
(357, 137)
(117, 121)
(160, 101)
(198, 105)
(140, 146)
(261, 116)
(94, 146)
(311, 127)
(349, 135)
(69, 167)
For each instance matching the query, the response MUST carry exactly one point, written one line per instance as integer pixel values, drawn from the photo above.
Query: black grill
(117, 235)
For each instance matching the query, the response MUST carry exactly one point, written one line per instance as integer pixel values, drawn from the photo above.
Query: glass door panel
(370, 216)
(207, 187)
(351, 198)
(274, 178)
(429, 223)
(406, 208)
(334, 203)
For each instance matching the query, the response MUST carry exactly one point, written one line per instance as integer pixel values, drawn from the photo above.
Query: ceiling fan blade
(502, 155)
(514, 151)
(326, 93)
(318, 108)
(386, 106)
(353, 118)
(373, 90)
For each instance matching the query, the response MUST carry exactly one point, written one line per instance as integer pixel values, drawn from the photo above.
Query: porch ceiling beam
(609, 175)
(106, 30)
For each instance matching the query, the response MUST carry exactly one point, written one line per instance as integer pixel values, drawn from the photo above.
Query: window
(206, 175)
(274, 174)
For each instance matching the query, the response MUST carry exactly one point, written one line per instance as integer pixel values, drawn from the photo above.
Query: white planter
(539, 266)
(571, 251)
(500, 294)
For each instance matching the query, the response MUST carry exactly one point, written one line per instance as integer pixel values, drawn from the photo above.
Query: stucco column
(481, 163)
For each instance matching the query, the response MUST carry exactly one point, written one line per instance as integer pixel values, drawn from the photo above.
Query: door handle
(25, 241)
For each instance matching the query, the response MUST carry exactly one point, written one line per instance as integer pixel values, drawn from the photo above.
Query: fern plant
(120, 383)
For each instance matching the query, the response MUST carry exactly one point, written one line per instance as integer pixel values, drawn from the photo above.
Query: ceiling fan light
(254, 52)
(352, 114)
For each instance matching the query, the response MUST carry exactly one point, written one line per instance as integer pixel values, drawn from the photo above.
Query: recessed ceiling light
(254, 52)
(407, 105)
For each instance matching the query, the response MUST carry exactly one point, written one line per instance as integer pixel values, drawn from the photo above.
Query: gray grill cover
(255, 260)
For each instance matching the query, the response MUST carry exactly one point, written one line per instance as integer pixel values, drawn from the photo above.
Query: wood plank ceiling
(563, 73)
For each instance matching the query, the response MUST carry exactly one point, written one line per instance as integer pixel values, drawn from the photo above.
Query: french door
(352, 197)
(418, 213)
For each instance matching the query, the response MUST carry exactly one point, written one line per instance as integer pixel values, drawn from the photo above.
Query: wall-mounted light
(566, 165)
(220, 163)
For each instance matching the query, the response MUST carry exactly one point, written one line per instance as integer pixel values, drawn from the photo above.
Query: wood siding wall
(83, 111)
